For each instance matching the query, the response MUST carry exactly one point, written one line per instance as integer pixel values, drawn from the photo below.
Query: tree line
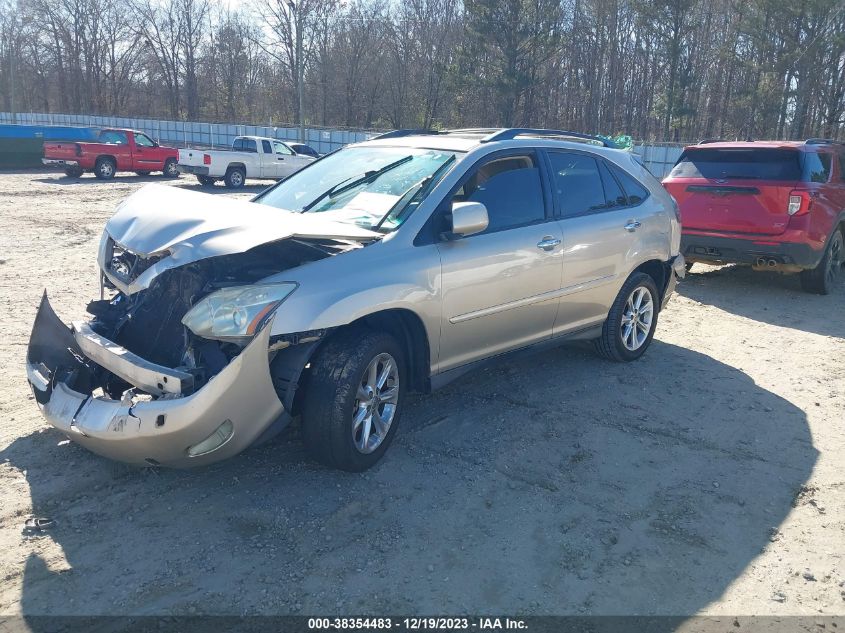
(658, 70)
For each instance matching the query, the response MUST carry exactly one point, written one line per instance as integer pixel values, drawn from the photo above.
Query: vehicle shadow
(767, 297)
(557, 484)
(90, 179)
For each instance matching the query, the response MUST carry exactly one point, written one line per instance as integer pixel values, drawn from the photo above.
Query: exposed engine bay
(149, 322)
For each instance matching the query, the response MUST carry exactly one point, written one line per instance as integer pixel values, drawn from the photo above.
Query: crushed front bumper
(240, 398)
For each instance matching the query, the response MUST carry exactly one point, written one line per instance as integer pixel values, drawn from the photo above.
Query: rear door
(269, 168)
(606, 217)
(735, 190)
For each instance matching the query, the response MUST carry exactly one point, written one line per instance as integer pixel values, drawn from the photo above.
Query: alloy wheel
(375, 403)
(637, 318)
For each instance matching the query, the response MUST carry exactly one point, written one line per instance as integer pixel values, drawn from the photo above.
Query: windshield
(373, 187)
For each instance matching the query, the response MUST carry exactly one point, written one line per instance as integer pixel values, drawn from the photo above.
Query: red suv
(775, 205)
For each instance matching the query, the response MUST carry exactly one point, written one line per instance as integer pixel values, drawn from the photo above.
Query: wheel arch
(231, 166)
(659, 271)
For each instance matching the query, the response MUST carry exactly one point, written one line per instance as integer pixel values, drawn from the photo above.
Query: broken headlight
(236, 314)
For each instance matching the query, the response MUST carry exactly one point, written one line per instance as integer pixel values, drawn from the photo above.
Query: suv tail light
(799, 203)
(206, 159)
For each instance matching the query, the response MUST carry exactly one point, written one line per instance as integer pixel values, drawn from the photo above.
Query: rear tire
(822, 279)
(73, 172)
(105, 168)
(235, 178)
(206, 181)
(629, 328)
(170, 170)
(347, 423)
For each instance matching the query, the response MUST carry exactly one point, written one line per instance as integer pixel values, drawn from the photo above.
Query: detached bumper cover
(678, 271)
(149, 431)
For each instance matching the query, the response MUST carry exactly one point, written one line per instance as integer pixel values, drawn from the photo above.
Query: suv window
(249, 145)
(634, 190)
(739, 163)
(266, 148)
(613, 194)
(577, 183)
(816, 167)
(510, 188)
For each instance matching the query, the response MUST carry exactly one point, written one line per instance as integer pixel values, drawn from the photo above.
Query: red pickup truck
(115, 150)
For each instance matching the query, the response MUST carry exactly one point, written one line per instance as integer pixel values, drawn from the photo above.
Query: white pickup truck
(250, 157)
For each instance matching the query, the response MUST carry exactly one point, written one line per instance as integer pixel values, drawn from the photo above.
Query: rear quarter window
(741, 164)
(815, 167)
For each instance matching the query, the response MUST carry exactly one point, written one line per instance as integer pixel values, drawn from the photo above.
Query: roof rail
(401, 133)
(508, 134)
(823, 141)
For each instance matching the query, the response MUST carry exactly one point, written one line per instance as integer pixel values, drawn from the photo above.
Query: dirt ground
(709, 477)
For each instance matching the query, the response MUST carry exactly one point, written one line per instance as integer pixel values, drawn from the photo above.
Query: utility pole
(300, 67)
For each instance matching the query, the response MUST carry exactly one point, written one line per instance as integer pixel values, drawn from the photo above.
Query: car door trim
(526, 301)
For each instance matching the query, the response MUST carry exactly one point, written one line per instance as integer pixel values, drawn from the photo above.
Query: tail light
(206, 159)
(78, 149)
(799, 202)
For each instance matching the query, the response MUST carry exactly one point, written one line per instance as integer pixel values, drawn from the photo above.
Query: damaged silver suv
(391, 266)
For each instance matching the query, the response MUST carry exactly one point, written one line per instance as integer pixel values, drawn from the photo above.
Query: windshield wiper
(418, 187)
(345, 185)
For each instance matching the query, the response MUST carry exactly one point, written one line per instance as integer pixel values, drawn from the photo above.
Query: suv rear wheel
(823, 277)
(353, 399)
(632, 320)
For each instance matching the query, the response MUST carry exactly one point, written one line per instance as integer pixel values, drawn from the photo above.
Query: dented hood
(156, 218)
(187, 226)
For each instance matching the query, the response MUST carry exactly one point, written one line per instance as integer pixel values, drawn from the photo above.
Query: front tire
(353, 399)
(105, 168)
(235, 178)
(170, 170)
(631, 321)
(822, 279)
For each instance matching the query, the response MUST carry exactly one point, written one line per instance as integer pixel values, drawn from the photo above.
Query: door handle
(280, 158)
(548, 243)
(632, 226)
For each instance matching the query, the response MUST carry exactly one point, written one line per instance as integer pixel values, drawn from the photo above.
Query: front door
(148, 156)
(500, 287)
(287, 162)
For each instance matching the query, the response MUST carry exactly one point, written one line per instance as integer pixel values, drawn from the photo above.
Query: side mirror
(468, 218)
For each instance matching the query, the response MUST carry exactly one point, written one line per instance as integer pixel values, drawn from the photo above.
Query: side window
(816, 167)
(115, 138)
(577, 183)
(613, 194)
(634, 190)
(250, 145)
(281, 148)
(510, 188)
(238, 145)
(265, 147)
(143, 140)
